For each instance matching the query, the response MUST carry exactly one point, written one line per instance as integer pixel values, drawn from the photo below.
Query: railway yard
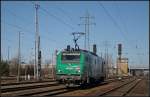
(51, 49)
(128, 86)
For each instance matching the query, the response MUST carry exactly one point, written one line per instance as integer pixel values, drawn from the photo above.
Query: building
(122, 66)
(139, 72)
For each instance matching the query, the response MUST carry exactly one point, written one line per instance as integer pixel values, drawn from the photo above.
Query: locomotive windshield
(70, 57)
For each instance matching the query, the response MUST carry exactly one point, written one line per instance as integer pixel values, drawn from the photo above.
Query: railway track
(91, 88)
(29, 88)
(57, 91)
(45, 88)
(141, 89)
(26, 82)
(124, 87)
(37, 90)
(121, 90)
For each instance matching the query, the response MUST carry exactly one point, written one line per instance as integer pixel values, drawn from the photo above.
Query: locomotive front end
(69, 67)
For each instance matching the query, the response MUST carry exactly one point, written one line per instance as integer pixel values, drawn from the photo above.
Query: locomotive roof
(82, 51)
(89, 52)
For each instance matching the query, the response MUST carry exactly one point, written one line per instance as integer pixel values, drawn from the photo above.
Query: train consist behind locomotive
(79, 67)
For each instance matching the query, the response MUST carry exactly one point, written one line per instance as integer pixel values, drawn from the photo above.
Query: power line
(121, 20)
(113, 20)
(58, 19)
(19, 18)
(44, 37)
(119, 14)
(18, 27)
(65, 13)
(116, 24)
(12, 25)
(15, 26)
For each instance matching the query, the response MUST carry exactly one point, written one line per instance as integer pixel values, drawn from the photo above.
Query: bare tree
(47, 67)
(13, 66)
(30, 67)
(4, 70)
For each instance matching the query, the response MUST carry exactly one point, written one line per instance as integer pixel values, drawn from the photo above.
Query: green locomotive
(77, 67)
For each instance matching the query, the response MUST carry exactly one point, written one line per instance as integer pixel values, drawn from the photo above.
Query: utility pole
(52, 66)
(39, 60)
(35, 61)
(18, 77)
(87, 23)
(8, 54)
(8, 59)
(54, 62)
(37, 43)
(106, 44)
(32, 60)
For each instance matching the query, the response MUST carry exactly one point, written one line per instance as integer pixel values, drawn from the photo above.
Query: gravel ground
(142, 89)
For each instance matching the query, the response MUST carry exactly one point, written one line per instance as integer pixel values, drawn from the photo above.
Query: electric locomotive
(78, 67)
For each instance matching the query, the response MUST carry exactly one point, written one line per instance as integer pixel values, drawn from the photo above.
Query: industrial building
(122, 64)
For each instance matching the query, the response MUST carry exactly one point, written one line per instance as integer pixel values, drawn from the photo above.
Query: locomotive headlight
(79, 71)
(59, 70)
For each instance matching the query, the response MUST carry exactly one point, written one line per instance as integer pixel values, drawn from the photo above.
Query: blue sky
(132, 28)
